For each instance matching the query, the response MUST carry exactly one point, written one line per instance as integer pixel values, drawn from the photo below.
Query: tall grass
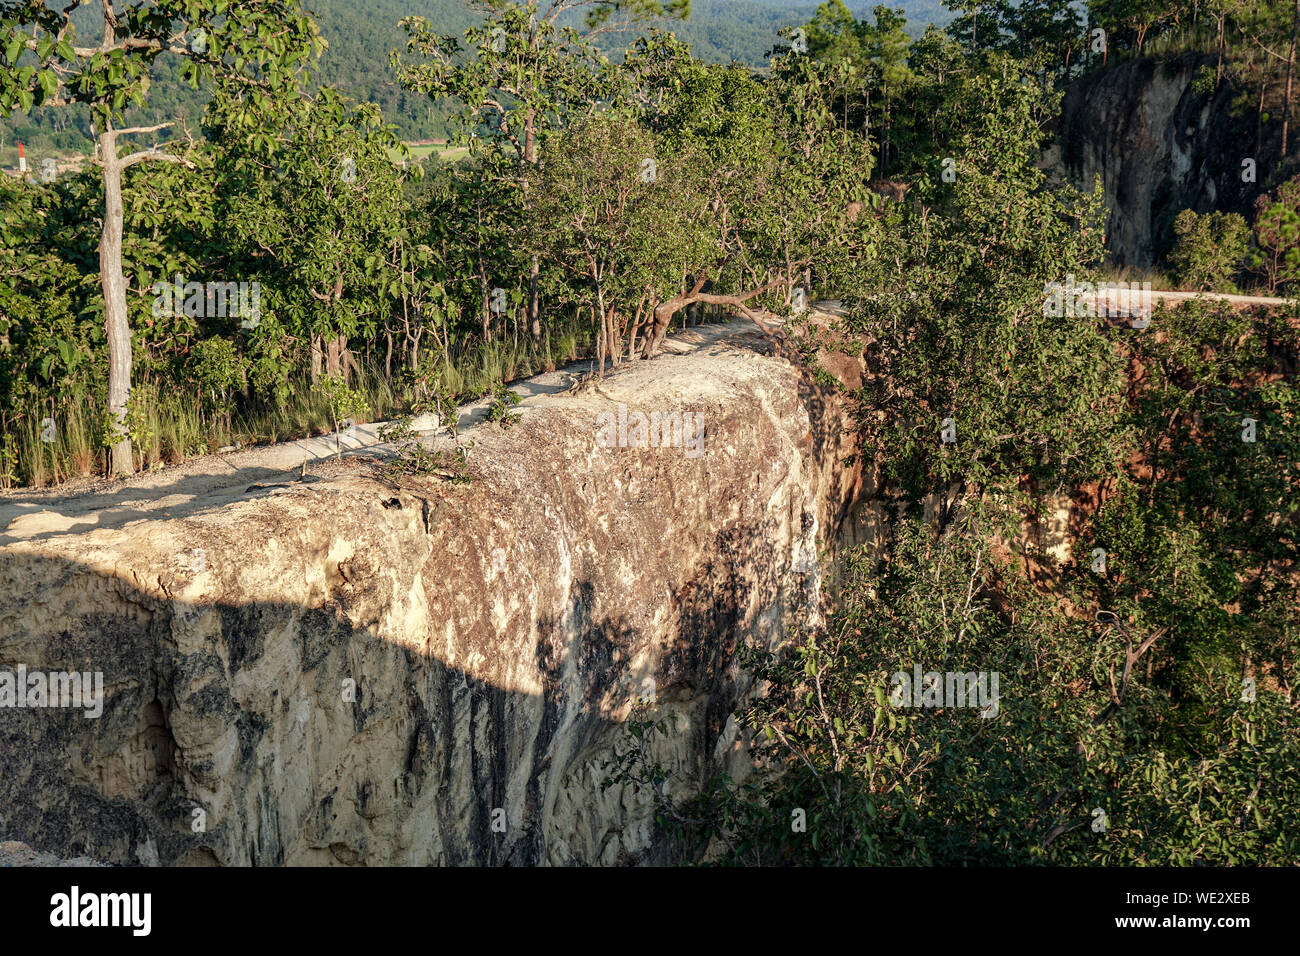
(1135, 274)
(171, 425)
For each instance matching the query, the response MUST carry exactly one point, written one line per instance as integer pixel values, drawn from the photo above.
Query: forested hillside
(362, 33)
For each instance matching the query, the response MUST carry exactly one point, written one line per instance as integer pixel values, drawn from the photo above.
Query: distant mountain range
(361, 33)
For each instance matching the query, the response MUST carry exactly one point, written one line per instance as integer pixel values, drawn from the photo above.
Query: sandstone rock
(496, 634)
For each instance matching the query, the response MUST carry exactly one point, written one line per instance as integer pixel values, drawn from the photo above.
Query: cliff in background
(1160, 147)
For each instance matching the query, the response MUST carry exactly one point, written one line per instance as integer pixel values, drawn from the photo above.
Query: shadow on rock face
(350, 671)
(267, 734)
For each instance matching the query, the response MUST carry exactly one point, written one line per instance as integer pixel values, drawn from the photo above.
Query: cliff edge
(344, 669)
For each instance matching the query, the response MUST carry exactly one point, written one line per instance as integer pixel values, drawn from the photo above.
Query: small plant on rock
(344, 402)
(412, 458)
(503, 400)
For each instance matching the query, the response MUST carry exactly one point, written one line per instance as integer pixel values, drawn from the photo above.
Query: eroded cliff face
(1159, 147)
(497, 633)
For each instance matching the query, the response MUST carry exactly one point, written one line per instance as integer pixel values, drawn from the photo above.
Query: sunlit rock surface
(339, 670)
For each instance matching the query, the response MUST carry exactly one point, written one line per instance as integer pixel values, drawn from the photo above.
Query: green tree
(520, 73)
(1277, 236)
(1209, 249)
(260, 46)
(1104, 741)
(619, 217)
(871, 56)
(888, 45)
(780, 174)
(44, 348)
(314, 209)
(952, 311)
(471, 217)
(342, 402)
(1047, 34)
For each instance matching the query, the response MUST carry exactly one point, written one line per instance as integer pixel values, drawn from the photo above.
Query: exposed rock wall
(498, 633)
(1159, 147)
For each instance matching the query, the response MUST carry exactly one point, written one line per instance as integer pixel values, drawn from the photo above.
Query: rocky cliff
(338, 669)
(1159, 146)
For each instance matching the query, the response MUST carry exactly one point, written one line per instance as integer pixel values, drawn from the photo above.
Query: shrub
(1209, 250)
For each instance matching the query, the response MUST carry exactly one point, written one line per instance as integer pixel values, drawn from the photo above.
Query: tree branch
(154, 156)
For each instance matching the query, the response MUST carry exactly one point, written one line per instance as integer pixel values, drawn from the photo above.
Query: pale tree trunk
(637, 319)
(332, 357)
(602, 340)
(339, 361)
(534, 312)
(415, 349)
(866, 121)
(615, 337)
(534, 267)
(114, 288)
(884, 130)
(1290, 70)
(112, 282)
